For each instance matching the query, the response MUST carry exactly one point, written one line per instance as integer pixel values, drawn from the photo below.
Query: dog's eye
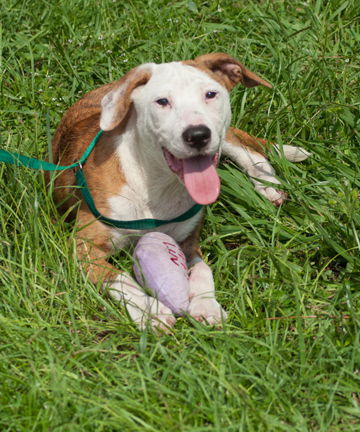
(163, 102)
(211, 94)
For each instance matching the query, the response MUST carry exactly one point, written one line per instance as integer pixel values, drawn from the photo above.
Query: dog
(165, 127)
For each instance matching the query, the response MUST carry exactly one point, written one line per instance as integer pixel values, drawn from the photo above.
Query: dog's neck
(151, 189)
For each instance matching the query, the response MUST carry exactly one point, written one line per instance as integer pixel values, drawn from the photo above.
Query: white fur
(152, 190)
(108, 105)
(292, 153)
(143, 309)
(185, 87)
(203, 305)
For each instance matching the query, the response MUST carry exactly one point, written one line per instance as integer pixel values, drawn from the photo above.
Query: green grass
(70, 359)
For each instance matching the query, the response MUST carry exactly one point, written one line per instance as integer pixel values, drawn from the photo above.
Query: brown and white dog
(165, 128)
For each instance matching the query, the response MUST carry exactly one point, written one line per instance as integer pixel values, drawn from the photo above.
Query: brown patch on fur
(94, 247)
(227, 70)
(238, 137)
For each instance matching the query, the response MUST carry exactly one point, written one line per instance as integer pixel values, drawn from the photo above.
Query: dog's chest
(164, 205)
(150, 191)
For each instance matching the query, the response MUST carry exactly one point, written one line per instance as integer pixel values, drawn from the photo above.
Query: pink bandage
(160, 266)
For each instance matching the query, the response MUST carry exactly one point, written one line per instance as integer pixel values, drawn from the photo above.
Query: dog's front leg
(203, 305)
(144, 310)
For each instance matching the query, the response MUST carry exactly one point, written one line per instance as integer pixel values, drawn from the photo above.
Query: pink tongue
(201, 179)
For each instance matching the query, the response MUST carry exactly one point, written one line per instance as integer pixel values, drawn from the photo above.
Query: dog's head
(182, 114)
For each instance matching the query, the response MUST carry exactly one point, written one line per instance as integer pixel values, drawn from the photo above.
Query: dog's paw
(292, 153)
(207, 311)
(275, 196)
(157, 317)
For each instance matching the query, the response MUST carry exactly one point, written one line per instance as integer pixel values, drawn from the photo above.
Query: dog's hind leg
(248, 152)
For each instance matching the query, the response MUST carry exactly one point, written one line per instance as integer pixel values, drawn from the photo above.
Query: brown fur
(227, 70)
(76, 130)
(240, 138)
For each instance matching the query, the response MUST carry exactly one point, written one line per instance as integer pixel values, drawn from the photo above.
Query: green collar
(140, 224)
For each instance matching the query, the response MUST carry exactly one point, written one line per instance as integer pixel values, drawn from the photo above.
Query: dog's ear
(229, 70)
(116, 104)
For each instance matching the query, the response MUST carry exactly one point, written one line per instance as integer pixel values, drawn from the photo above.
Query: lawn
(288, 359)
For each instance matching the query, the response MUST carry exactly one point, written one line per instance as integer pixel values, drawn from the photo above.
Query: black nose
(197, 136)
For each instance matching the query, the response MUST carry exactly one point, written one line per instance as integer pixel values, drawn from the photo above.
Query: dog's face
(182, 114)
(182, 110)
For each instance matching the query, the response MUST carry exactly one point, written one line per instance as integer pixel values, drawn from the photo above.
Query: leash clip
(78, 167)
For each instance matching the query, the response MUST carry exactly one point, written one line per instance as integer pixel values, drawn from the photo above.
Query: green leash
(141, 224)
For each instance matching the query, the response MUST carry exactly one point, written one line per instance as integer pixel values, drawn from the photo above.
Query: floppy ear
(230, 71)
(116, 104)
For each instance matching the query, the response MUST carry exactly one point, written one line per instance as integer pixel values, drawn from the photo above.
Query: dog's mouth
(198, 173)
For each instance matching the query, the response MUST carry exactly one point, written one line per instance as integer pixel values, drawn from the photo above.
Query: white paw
(275, 196)
(207, 311)
(293, 154)
(144, 310)
(156, 316)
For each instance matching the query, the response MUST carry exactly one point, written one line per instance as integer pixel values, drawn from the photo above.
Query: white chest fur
(151, 191)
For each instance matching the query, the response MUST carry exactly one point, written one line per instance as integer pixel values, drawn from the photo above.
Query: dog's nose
(197, 136)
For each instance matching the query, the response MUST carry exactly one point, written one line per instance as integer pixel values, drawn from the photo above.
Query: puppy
(165, 127)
